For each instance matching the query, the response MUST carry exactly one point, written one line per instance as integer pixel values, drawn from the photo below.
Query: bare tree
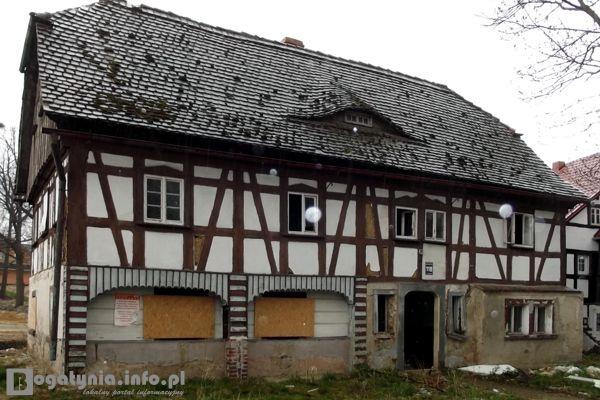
(563, 36)
(17, 230)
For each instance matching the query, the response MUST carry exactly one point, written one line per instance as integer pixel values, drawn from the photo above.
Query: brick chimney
(292, 42)
(557, 166)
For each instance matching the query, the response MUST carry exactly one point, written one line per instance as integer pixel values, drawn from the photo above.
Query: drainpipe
(58, 245)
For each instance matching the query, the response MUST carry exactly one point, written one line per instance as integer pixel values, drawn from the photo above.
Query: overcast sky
(439, 40)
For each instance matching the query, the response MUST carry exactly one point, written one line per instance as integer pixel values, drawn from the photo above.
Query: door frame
(439, 338)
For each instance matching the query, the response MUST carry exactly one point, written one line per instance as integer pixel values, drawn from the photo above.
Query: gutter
(58, 245)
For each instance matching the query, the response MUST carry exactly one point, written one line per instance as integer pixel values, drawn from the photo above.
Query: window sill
(539, 336)
(307, 236)
(435, 241)
(521, 246)
(383, 336)
(406, 239)
(159, 225)
(457, 336)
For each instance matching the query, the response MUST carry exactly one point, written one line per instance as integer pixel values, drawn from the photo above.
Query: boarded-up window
(284, 317)
(179, 317)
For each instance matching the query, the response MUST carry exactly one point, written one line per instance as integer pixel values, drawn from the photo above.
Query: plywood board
(179, 317)
(284, 317)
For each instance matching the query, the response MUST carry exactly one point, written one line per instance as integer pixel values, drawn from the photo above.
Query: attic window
(357, 118)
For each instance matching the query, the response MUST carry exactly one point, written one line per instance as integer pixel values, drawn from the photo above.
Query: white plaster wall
(121, 189)
(439, 199)
(128, 243)
(497, 226)
(482, 239)
(346, 261)
(582, 286)
(204, 201)
(207, 172)
(333, 209)
(101, 247)
(270, 203)
(334, 187)
(570, 264)
(267, 179)
(332, 315)
(225, 219)
(350, 223)
(520, 268)
(463, 265)
(372, 258)
(551, 271)
(579, 238)
(164, 250)
(401, 193)
(581, 217)
(250, 214)
(220, 257)
(95, 201)
(116, 160)
(101, 311)
(436, 254)
(161, 163)
(486, 266)
(382, 211)
(380, 192)
(405, 262)
(303, 258)
(544, 214)
(298, 181)
(255, 257)
(493, 207)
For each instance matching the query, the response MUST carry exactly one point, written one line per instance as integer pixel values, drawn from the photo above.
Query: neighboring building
(583, 240)
(238, 206)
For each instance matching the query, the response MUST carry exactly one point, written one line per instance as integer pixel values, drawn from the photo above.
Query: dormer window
(357, 118)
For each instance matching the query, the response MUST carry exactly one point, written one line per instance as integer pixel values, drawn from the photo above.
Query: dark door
(418, 330)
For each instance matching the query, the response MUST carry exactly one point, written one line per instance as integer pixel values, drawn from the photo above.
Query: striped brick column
(76, 317)
(236, 347)
(360, 320)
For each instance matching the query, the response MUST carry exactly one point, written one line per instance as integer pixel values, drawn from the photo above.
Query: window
(435, 225)
(517, 319)
(298, 203)
(522, 230)
(383, 322)
(583, 262)
(457, 313)
(529, 318)
(542, 319)
(359, 119)
(595, 215)
(406, 223)
(163, 200)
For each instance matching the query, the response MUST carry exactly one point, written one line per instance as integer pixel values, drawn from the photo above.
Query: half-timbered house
(211, 200)
(583, 240)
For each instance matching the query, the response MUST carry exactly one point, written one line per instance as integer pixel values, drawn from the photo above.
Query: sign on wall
(127, 307)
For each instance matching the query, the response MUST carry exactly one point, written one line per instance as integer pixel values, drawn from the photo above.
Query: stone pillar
(236, 347)
(360, 320)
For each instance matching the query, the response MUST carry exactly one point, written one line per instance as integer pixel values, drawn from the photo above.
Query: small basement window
(358, 118)
(522, 229)
(163, 199)
(595, 215)
(457, 311)
(435, 225)
(406, 223)
(383, 320)
(298, 203)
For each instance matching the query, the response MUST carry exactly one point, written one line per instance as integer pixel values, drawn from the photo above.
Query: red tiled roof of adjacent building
(583, 173)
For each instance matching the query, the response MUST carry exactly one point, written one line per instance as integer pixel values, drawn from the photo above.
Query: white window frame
(414, 222)
(435, 227)
(595, 215)
(358, 118)
(316, 223)
(548, 319)
(531, 218)
(456, 327)
(585, 260)
(163, 200)
(524, 320)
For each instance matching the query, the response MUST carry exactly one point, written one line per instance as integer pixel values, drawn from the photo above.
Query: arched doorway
(419, 310)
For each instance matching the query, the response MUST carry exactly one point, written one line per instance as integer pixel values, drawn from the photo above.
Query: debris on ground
(595, 382)
(592, 371)
(489, 369)
(567, 369)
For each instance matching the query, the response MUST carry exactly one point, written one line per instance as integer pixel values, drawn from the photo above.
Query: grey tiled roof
(149, 68)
